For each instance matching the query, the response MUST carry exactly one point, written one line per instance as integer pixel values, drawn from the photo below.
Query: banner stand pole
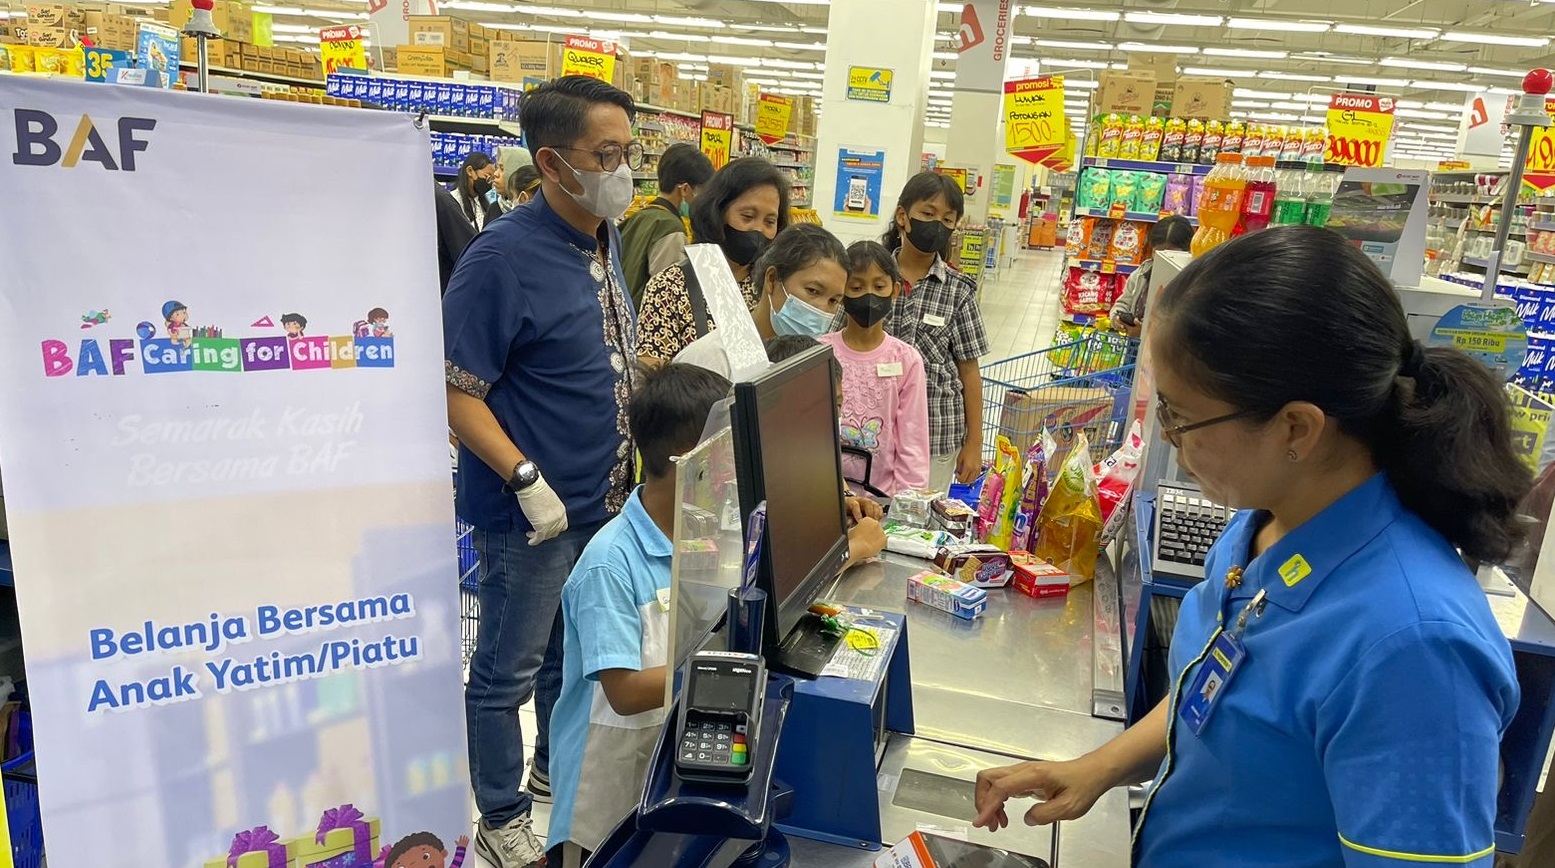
(202, 29)
(1528, 114)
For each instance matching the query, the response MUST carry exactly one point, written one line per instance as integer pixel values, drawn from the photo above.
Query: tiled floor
(1021, 304)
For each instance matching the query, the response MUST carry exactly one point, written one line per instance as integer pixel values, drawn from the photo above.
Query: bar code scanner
(719, 717)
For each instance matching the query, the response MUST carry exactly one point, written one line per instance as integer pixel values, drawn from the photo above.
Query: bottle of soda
(1258, 200)
(1320, 199)
(1290, 201)
(1221, 205)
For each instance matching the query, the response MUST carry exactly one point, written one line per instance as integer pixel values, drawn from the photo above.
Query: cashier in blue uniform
(1339, 688)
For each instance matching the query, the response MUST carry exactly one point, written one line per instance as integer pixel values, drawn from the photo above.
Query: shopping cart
(469, 584)
(1076, 386)
(21, 807)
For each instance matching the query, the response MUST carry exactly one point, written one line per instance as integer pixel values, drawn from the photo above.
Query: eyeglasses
(1173, 433)
(611, 156)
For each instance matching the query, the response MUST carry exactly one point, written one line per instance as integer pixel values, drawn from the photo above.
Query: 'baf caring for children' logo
(182, 346)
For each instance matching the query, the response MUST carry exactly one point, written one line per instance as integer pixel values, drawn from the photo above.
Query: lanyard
(1254, 609)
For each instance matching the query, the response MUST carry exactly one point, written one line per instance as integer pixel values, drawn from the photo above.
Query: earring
(1291, 455)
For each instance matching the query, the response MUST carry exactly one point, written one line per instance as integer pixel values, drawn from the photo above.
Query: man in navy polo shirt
(539, 334)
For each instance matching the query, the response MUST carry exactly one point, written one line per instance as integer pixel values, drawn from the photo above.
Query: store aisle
(1022, 302)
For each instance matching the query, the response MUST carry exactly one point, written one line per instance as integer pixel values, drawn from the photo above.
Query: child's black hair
(785, 347)
(299, 319)
(411, 842)
(862, 254)
(668, 412)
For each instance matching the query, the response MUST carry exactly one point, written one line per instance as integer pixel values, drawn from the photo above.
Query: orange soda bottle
(1222, 203)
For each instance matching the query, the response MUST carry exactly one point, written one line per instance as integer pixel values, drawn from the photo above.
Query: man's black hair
(730, 183)
(555, 114)
(297, 318)
(668, 412)
(683, 163)
(411, 842)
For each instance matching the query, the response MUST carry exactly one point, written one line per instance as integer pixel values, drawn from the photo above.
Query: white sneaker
(539, 785)
(511, 846)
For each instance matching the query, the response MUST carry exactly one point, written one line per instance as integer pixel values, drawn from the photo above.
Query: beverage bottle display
(1320, 198)
(1222, 203)
(1258, 199)
(1290, 201)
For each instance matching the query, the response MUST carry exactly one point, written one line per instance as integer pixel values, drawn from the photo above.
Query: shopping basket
(1075, 386)
(21, 807)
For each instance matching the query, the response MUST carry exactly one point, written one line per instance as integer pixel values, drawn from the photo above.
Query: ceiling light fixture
(1495, 39)
(1422, 115)
(1375, 82)
(1416, 63)
(1396, 32)
(1080, 84)
(1504, 73)
(1294, 76)
(1175, 18)
(1448, 85)
(1247, 52)
(1324, 57)
(1153, 47)
(1074, 64)
(1219, 73)
(682, 21)
(1279, 24)
(1079, 46)
(1069, 14)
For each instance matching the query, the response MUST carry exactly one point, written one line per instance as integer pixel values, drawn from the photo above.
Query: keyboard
(1186, 525)
(806, 650)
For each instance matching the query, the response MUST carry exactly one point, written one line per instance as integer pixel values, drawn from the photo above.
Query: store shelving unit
(270, 78)
(794, 156)
(1139, 216)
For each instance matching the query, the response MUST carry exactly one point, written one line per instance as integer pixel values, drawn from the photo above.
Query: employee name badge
(1226, 656)
(933, 321)
(888, 369)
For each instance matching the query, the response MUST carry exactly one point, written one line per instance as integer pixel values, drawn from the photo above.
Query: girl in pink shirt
(885, 404)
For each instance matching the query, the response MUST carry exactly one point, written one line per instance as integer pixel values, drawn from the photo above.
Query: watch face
(528, 473)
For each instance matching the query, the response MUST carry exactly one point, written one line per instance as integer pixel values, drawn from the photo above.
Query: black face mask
(867, 309)
(482, 187)
(928, 236)
(741, 247)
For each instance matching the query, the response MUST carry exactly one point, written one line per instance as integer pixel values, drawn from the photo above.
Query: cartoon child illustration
(176, 315)
(424, 850)
(95, 317)
(295, 324)
(378, 318)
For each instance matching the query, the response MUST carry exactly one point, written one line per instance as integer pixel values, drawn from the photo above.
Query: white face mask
(606, 195)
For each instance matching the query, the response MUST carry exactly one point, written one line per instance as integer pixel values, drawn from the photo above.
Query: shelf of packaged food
(793, 149)
(1539, 257)
(1539, 226)
(1141, 216)
(1491, 230)
(1146, 166)
(1505, 269)
(1106, 266)
(661, 110)
(475, 126)
(257, 76)
(645, 176)
(1463, 199)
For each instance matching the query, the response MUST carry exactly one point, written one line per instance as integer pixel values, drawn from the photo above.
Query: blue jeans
(518, 655)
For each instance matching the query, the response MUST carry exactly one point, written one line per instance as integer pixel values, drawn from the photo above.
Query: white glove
(544, 510)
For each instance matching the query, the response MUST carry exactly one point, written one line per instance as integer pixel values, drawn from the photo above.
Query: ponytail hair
(921, 188)
(1296, 313)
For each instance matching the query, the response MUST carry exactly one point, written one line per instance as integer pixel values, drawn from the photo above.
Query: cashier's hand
(1068, 790)
(860, 508)
(544, 510)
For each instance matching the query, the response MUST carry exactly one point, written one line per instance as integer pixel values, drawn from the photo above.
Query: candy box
(975, 564)
(255, 848)
(1035, 577)
(947, 594)
(953, 517)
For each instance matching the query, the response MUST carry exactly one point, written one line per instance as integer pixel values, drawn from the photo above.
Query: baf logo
(971, 33)
(36, 144)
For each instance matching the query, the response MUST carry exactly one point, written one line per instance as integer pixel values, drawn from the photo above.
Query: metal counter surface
(1014, 684)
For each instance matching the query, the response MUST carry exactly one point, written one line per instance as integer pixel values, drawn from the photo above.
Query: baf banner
(223, 441)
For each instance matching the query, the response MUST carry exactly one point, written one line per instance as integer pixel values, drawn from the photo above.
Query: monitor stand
(806, 649)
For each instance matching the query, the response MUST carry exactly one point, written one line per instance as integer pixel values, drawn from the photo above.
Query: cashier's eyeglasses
(611, 156)
(1173, 431)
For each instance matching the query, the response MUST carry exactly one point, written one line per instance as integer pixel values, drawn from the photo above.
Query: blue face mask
(491, 197)
(798, 318)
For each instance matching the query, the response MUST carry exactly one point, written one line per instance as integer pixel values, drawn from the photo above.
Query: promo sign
(585, 55)
(717, 137)
(1034, 123)
(342, 48)
(1539, 168)
(1359, 126)
(772, 115)
(255, 660)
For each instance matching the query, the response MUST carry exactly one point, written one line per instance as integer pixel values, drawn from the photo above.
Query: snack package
(1236, 134)
(1252, 141)
(914, 542)
(1095, 188)
(1115, 482)
(1001, 492)
(1192, 141)
(1314, 145)
(1069, 526)
(1123, 186)
(1092, 135)
(955, 518)
(1198, 195)
(21, 58)
(1172, 135)
(1078, 238)
(977, 564)
(1033, 490)
(1128, 242)
(1099, 243)
(1111, 143)
(1179, 195)
(1214, 135)
(1150, 192)
(1150, 143)
(1037, 578)
(1133, 137)
(947, 594)
(915, 506)
(1291, 147)
(1085, 292)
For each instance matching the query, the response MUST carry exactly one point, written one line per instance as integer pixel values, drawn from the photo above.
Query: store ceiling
(1285, 55)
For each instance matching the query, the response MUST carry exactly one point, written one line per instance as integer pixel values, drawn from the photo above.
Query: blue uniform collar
(653, 540)
(1293, 568)
(569, 233)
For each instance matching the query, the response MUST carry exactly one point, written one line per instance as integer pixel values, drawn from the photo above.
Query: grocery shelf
(1141, 216)
(1541, 227)
(1487, 230)
(1462, 199)
(1505, 269)
(257, 76)
(1146, 166)
(1539, 257)
(660, 110)
(1106, 267)
(476, 126)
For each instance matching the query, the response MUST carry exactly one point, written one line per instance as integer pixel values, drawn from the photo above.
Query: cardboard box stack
(441, 45)
(1164, 67)
(1207, 99)
(1125, 92)
(515, 60)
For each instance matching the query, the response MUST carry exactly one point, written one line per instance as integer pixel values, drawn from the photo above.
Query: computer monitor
(787, 453)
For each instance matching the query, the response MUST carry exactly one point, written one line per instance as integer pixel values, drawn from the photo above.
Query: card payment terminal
(719, 716)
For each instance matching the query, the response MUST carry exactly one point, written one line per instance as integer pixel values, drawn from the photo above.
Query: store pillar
(870, 135)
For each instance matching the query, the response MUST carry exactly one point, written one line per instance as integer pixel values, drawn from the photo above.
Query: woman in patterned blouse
(742, 208)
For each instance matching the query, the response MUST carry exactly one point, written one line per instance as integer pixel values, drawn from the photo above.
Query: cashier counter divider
(1526, 747)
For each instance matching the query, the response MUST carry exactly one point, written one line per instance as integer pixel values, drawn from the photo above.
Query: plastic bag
(1069, 526)
(1115, 482)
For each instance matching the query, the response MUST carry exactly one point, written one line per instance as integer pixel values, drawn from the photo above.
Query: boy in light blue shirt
(616, 610)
